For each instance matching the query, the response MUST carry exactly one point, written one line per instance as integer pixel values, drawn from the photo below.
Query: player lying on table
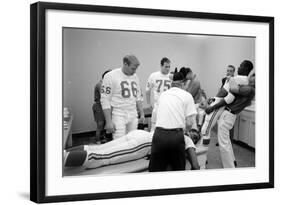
(135, 145)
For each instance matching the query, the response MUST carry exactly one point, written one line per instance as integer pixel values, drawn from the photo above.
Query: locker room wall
(219, 52)
(88, 53)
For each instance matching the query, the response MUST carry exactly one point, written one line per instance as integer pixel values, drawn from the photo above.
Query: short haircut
(105, 73)
(185, 71)
(164, 60)
(188, 70)
(231, 66)
(128, 59)
(246, 68)
(178, 77)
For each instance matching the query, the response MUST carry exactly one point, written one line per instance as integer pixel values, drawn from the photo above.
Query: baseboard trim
(84, 134)
(244, 145)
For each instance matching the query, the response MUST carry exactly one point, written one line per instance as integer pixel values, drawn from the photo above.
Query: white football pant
(125, 121)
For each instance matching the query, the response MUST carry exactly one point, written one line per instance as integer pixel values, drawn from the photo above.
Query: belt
(229, 110)
(172, 129)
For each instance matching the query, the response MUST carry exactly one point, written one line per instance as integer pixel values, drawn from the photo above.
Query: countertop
(251, 108)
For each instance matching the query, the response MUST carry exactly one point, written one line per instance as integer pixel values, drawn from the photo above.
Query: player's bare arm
(192, 157)
(148, 90)
(140, 109)
(109, 125)
(148, 94)
(195, 88)
(210, 109)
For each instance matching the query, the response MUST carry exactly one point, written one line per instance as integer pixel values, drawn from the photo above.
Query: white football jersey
(120, 91)
(239, 79)
(158, 83)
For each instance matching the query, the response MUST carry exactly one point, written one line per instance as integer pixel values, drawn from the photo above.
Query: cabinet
(244, 128)
(67, 133)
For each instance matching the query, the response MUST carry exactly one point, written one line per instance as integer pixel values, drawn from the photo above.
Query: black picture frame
(38, 100)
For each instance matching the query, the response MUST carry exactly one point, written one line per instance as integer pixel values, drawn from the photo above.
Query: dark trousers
(168, 149)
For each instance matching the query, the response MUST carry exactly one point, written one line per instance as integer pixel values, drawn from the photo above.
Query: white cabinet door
(244, 125)
(236, 128)
(252, 135)
(244, 128)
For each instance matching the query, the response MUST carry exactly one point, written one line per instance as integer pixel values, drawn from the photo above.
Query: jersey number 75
(166, 84)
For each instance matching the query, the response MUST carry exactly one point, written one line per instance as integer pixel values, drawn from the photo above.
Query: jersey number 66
(126, 91)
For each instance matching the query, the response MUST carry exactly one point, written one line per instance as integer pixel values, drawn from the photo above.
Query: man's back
(97, 94)
(174, 106)
(194, 88)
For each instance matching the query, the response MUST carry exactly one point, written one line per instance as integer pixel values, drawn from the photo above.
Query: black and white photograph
(149, 101)
(140, 102)
(133, 102)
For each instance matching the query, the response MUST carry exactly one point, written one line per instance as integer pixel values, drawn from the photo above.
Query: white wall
(14, 83)
(217, 53)
(88, 53)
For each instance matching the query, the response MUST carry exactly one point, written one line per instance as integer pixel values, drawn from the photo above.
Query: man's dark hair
(178, 77)
(185, 71)
(245, 68)
(127, 61)
(164, 60)
(105, 73)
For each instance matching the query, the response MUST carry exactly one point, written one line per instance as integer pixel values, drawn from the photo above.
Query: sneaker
(108, 137)
(103, 140)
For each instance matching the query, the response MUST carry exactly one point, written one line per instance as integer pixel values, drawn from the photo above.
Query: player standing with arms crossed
(120, 98)
(157, 83)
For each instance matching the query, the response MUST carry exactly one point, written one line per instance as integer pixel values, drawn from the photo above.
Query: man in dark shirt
(223, 97)
(193, 86)
(97, 111)
(243, 97)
